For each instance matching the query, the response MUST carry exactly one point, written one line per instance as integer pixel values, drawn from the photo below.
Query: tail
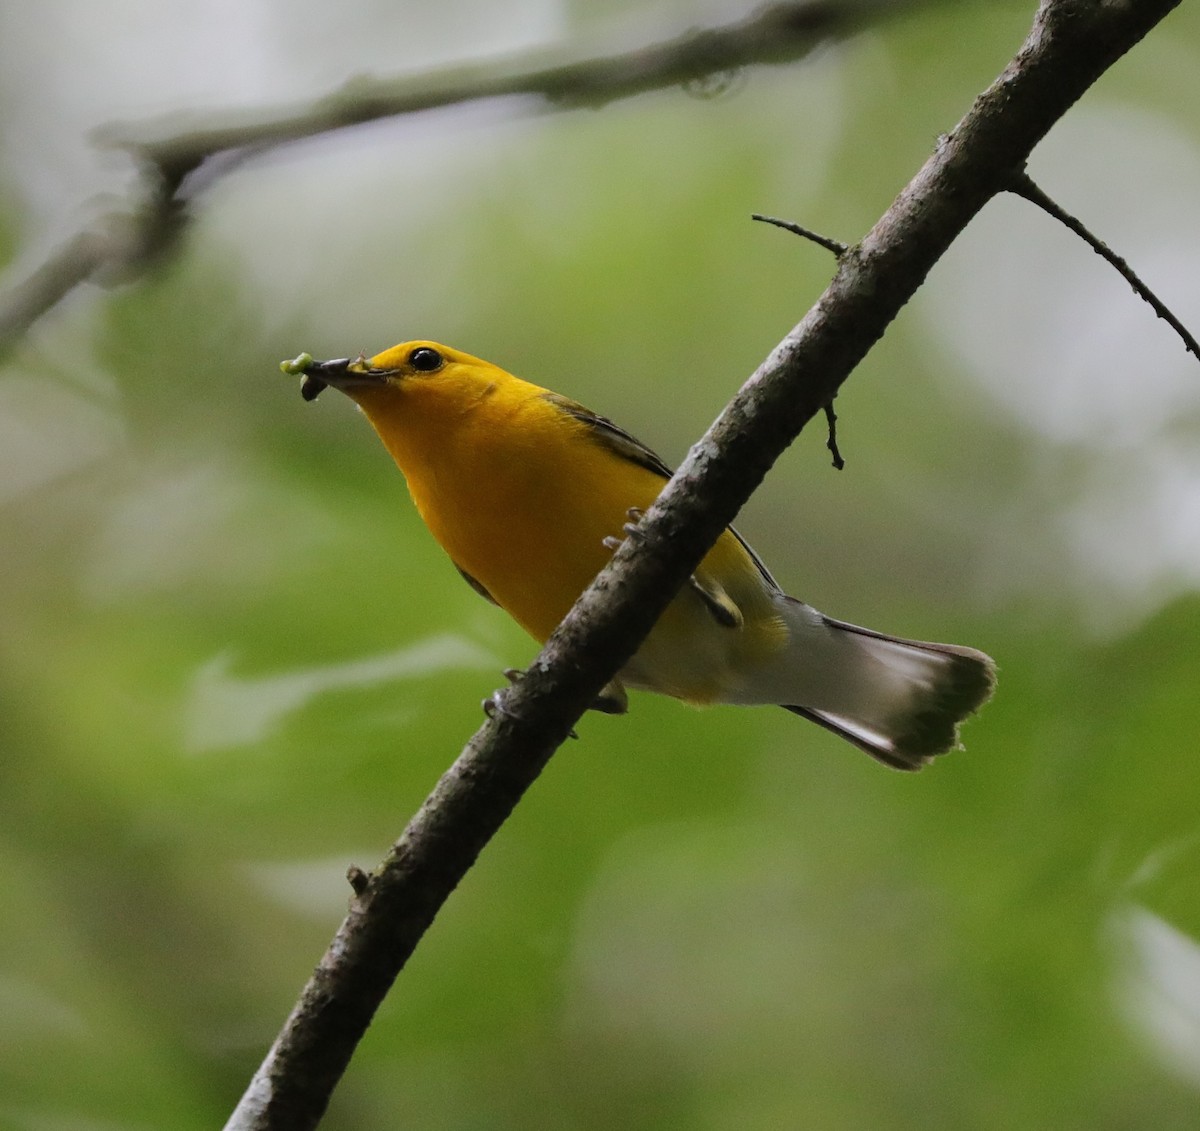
(899, 700)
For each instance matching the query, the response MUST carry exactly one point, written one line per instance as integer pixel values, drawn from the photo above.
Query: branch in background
(1072, 43)
(781, 32)
(1023, 186)
(183, 154)
(121, 249)
(73, 263)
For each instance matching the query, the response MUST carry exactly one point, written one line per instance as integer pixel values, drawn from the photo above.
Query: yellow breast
(522, 496)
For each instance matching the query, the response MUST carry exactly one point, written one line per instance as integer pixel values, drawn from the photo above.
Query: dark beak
(342, 373)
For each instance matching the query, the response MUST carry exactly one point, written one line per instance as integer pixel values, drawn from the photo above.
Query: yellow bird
(528, 492)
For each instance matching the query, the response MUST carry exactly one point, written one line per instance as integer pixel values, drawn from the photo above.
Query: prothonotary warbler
(527, 490)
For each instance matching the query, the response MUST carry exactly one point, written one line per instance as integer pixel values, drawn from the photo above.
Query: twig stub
(836, 246)
(831, 443)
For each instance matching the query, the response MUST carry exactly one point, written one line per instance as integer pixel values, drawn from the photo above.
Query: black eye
(425, 360)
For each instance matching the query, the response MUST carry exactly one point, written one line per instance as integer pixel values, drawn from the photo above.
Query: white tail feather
(899, 700)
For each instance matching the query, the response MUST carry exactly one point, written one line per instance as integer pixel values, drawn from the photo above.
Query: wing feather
(629, 448)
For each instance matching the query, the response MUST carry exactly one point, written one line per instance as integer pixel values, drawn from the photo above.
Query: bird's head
(417, 386)
(369, 378)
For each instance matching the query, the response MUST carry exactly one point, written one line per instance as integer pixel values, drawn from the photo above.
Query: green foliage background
(232, 662)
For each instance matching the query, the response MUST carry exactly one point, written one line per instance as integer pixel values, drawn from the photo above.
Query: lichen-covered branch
(1071, 44)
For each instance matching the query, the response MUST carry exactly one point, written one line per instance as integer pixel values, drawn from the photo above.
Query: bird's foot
(631, 530)
(494, 705)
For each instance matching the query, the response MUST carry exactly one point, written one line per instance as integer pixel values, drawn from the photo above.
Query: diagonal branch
(1072, 43)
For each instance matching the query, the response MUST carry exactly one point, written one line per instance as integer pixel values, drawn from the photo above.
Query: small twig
(1023, 186)
(831, 443)
(836, 246)
(839, 249)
